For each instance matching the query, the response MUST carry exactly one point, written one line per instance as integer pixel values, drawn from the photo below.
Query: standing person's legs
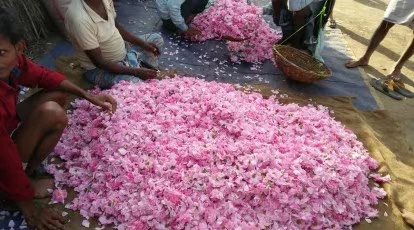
(298, 21)
(409, 51)
(277, 7)
(332, 22)
(376, 39)
(43, 118)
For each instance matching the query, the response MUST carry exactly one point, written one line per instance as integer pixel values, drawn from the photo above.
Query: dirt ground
(358, 19)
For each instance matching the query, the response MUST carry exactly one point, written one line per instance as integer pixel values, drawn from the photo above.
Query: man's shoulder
(76, 13)
(26, 65)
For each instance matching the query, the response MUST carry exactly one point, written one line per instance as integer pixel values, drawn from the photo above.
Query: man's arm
(95, 56)
(178, 20)
(33, 75)
(44, 218)
(103, 100)
(127, 36)
(84, 34)
(174, 8)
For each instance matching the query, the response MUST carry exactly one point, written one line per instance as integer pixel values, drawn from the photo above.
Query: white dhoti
(400, 12)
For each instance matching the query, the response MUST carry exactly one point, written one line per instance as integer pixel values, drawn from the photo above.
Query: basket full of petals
(298, 65)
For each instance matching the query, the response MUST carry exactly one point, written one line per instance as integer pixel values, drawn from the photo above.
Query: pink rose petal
(186, 153)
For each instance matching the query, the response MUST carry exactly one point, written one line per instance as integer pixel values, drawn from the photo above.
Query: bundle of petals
(186, 153)
(237, 19)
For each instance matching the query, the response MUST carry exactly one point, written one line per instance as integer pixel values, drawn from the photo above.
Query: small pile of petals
(184, 153)
(59, 195)
(237, 19)
(380, 179)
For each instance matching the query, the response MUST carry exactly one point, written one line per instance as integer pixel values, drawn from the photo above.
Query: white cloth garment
(400, 12)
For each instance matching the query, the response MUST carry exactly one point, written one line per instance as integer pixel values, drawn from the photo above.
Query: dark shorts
(188, 8)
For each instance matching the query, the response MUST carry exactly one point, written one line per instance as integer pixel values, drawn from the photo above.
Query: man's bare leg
(409, 51)
(299, 20)
(332, 21)
(376, 39)
(277, 6)
(43, 121)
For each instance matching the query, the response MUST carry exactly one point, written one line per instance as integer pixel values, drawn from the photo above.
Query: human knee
(157, 39)
(386, 26)
(53, 114)
(62, 98)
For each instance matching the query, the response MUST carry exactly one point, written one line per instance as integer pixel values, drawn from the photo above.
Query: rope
(320, 13)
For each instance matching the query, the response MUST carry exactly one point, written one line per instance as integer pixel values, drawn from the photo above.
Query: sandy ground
(358, 19)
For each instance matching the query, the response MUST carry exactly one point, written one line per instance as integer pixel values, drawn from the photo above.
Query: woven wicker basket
(298, 65)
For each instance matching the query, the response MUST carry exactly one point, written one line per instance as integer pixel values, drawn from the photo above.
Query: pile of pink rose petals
(186, 153)
(237, 19)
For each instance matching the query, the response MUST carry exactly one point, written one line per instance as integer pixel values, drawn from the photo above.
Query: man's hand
(232, 39)
(146, 74)
(43, 219)
(164, 74)
(48, 219)
(104, 101)
(192, 32)
(152, 48)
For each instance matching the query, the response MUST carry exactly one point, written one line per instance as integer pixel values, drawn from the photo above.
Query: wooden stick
(32, 16)
(31, 21)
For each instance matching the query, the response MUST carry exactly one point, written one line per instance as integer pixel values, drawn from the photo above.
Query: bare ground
(358, 20)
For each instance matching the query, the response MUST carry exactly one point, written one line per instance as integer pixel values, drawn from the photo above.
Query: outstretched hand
(165, 74)
(104, 101)
(192, 32)
(46, 219)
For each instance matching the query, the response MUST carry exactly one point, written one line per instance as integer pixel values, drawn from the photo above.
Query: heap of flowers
(186, 153)
(238, 20)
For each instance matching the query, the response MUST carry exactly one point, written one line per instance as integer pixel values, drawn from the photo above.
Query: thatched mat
(381, 135)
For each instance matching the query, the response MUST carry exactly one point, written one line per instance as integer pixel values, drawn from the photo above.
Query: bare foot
(353, 63)
(41, 187)
(395, 75)
(408, 217)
